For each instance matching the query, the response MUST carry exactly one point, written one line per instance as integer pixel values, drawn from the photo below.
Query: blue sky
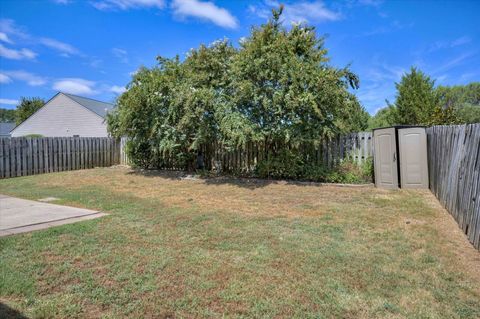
(91, 47)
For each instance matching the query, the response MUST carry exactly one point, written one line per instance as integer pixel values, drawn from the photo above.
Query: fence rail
(454, 169)
(21, 156)
(328, 153)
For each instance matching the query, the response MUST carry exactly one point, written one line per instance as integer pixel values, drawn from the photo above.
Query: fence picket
(454, 169)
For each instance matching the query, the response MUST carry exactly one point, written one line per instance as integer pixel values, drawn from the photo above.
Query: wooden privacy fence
(454, 169)
(329, 152)
(21, 156)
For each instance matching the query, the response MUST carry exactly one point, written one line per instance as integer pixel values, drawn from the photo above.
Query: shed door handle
(394, 157)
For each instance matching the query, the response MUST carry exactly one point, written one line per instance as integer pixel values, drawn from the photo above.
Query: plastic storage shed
(400, 157)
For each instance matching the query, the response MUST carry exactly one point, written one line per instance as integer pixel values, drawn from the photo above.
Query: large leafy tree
(170, 110)
(284, 89)
(27, 107)
(277, 87)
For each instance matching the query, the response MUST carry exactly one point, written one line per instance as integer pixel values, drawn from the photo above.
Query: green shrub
(351, 173)
(287, 164)
(34, 135)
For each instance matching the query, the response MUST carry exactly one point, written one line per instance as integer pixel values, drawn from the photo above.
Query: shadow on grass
(9, 313)
(244, 182)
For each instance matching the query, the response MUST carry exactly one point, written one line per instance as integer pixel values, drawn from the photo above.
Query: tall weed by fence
(21, 156)
(454, 170)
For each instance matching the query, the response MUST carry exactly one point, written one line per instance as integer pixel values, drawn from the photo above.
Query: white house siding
(62, 116)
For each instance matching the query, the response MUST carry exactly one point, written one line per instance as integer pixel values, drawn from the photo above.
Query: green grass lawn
(226, 248)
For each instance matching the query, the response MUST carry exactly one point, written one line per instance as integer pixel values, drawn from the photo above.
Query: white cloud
(374, 94)
(4, 38)
(392, 27)
(379, 84)
(303, 11)
(452, 63)
(441, 78)
(439, 45)
(5, 78)
(461, 41)
(95, 63)
(128, 4)
(21, 54)
(75, 86)
(8, 101)
(59, 46)
(121, 54)
(9, 27)
(117, 89)
(373, 3)
(205, 11)
(469, 75)
(20, 75)
(62, 1)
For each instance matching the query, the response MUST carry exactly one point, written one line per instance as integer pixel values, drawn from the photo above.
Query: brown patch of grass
(226, 247)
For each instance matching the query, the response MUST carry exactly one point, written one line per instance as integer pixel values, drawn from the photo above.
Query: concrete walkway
(21, 215)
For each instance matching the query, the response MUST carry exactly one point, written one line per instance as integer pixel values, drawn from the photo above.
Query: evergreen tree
(418, 103)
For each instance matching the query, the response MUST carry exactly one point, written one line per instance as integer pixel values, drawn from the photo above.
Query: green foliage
(277, 87)
(285, 90)
(288, 164)
(172, 108)
(7, 115)
(27, 107)
(383, 118)
(464, 99)
(469, 113)
(351, 173)
(33, 135)
(459, 94)
(417, 102)
(285, 164)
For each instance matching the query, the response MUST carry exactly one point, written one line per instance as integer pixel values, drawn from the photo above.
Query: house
(67, 115)
(5, 128)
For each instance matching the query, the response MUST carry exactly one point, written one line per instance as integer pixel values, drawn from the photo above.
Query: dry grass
(176, 247)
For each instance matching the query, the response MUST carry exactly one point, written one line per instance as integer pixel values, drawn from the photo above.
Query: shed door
(413, 157)
(386, 174)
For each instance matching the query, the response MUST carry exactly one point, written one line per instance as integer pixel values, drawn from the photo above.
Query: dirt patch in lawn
(244, 196)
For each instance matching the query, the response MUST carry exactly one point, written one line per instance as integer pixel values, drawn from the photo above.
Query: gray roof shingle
(6, 127)
(98, 107)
